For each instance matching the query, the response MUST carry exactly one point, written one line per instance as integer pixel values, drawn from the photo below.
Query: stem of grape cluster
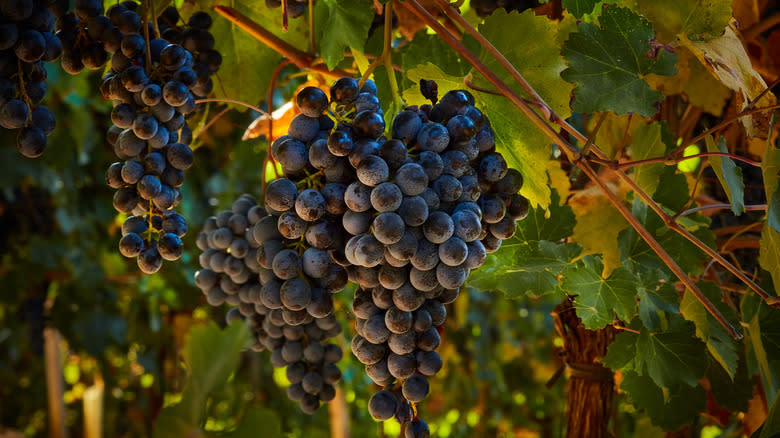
(387, 55)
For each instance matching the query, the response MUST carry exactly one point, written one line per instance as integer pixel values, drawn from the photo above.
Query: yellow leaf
(598, 225)
(559, 180)
(727, 59)
(612, 134)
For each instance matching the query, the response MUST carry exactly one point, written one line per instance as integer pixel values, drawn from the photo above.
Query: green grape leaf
(729, 175)
(242, 53)
(598, 300)
(694, 19)
(648, 143)
(341, 24)
(769, 253)
(732, 393)
(535, 53)
(555, 223)
(256, 419)
(771, 427)
(609, 64)
(622, 351)
(211, 356)
(723, 348)
(640, 258)
(429, 72)
(435, 51)
(578, 8)
(763, 336)
(522, 268)
(671, 357)
(167, 425)
(678, 408)
(655, 300)
(770, 170)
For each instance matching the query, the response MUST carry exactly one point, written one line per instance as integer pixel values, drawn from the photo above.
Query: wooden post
(590, 387)
(93, 410)
(339, 415)
(55, 385)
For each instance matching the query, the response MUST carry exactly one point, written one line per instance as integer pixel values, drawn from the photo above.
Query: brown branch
(298, 57)
(757, 29)
(574, 156)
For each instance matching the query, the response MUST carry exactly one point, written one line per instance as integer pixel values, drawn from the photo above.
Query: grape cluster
(26, 43)
(423, 208)
(88, 37)
(486, 7)
(291, 312)
(196, 39)
(150, 136)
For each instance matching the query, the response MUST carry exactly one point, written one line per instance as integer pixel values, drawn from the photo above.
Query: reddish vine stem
(298, 57)
(673, 161)
(757, 207)
(722, 125)
(574, 154)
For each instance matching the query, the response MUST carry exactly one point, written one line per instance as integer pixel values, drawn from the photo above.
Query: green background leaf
(729, 175)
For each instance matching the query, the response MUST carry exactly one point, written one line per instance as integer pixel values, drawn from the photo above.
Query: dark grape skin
(312, 101)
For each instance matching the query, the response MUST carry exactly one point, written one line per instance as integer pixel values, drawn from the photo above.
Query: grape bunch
(150, 136)
(291, 313)
(486, 7)
(424, 208)
(88, 37)
(26, 43)
(195, 38)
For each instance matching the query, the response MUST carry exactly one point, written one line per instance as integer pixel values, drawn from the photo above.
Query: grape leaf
(346, 25)
(609, 64)
(242, 53)
(770, 170)
(703, 88)
(656, 299)
(598, 225)
(695, 19)
(615, 132)
(622, 351)
(535, 53)
(769, 253)
(555, 223)
(257, 419)
(524, 268)
(732, 393)
(211, 356)
(435, 51)
(763, 334)
(578, 8)
(771, 427)
(671, 357)
(648, 143)
(598, 300)
(677, 409)
(431, 72)
(727, 59)
(723, 348)
(729, 175)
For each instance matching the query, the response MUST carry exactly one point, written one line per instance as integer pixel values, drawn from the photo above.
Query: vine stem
(237, 102)
(312, 42)
(757, 207)
(387, 54)
(574, 154)
(722, 125)
(298, 57)
(673, 161)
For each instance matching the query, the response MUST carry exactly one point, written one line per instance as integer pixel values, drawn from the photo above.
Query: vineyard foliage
(648, 84)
